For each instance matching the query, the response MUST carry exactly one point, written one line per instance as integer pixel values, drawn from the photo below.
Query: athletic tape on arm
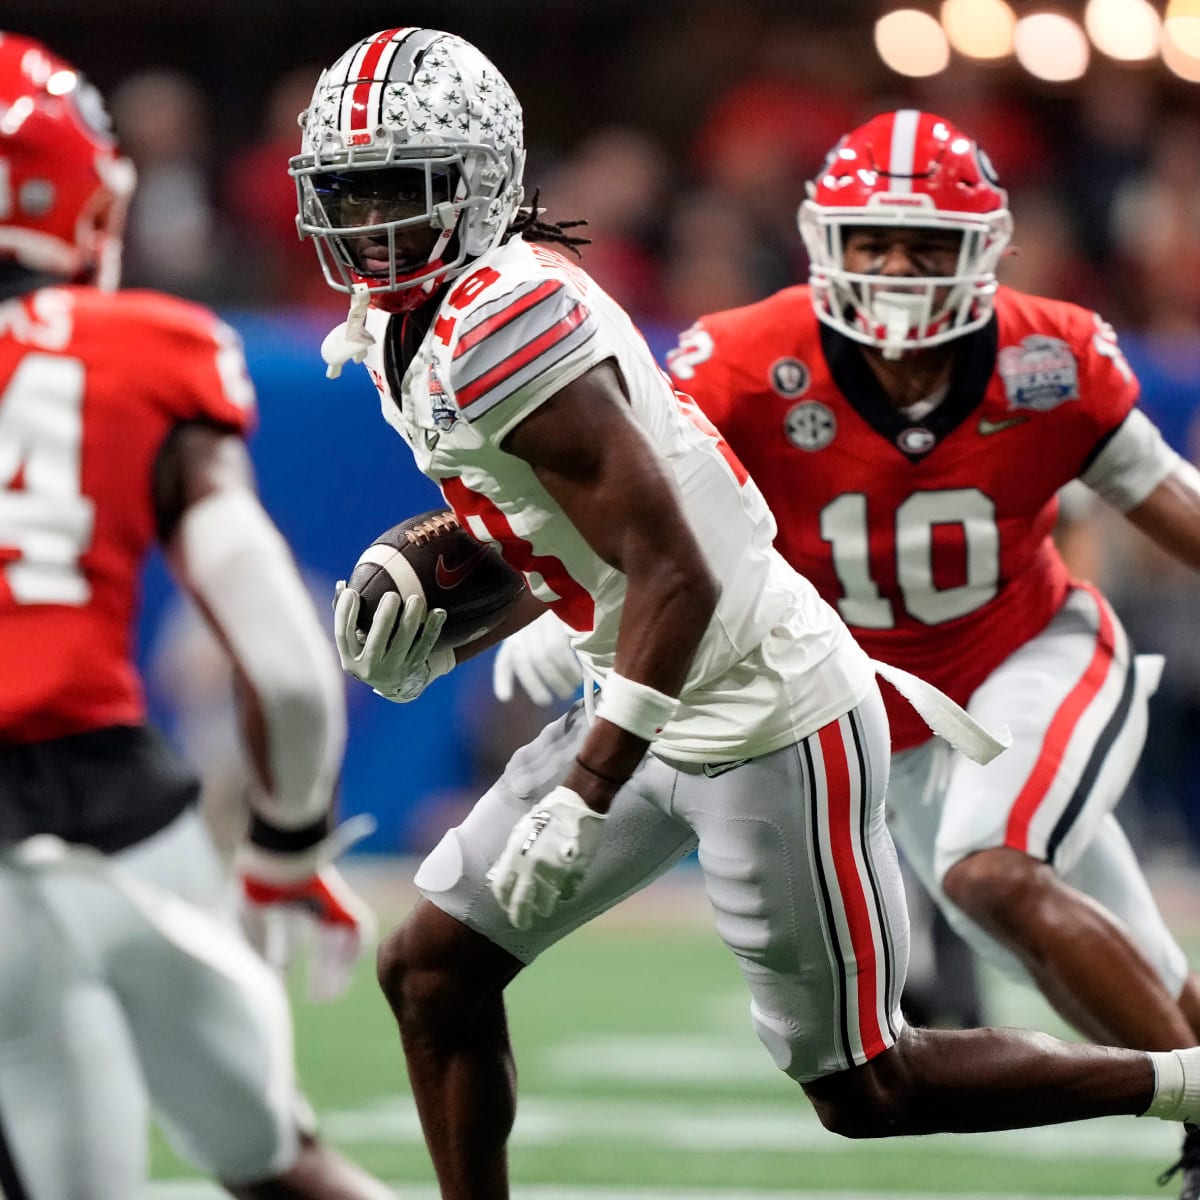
(230, 555)
(1135, 461)
(635, 707)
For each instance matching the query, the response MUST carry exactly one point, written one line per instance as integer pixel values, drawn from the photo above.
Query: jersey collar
(974, 365)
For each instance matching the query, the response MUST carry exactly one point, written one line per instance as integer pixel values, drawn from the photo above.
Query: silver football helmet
(410, 130)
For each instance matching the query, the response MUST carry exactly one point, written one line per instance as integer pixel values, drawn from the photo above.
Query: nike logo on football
(986, 426)
(450, 577)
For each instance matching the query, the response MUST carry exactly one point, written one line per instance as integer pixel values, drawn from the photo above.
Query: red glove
(301, 899)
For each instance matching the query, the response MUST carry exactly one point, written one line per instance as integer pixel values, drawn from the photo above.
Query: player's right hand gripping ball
(432, 556)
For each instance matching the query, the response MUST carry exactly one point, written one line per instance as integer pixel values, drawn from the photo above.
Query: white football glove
(397, 658)
(547, 853)
(541, 659)
(290, 901)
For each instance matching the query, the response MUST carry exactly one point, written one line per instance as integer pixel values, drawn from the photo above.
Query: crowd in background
(684, 134)
(690, 194)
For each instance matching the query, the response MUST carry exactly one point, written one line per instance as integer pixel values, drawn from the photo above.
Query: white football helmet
(905, 169)
(409, 129)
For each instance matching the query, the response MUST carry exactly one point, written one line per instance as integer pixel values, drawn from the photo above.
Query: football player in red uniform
(524, 391)
(124, 980)
(910, 423)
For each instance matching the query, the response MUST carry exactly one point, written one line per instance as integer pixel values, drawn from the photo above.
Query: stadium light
(911, 43)
(1126, 30)
(1047, 43)
(1051, 47)
(1177, 60)
(981, 29)
(1181, 24)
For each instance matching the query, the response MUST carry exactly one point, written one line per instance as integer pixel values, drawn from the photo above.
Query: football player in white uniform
(529, 397)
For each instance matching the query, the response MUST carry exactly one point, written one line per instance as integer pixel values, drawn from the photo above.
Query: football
(433, 556)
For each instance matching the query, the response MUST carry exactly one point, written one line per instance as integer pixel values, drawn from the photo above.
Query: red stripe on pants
(843, 832)
(1062, 726)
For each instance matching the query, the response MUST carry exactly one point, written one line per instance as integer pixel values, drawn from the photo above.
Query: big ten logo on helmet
(790, 377)
(1040, 374)
(810, 425)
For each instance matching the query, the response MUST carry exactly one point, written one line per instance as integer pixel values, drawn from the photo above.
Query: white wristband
(635, 707)
(1175, 1095)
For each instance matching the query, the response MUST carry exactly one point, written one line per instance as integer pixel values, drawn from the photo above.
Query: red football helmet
(910, 169)
(64, 187)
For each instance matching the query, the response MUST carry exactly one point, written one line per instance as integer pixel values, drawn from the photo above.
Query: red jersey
(930, 533)
(90, 385)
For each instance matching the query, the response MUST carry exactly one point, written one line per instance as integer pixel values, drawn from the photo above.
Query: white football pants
(126, 988)
(1075, 699)
(797, 863)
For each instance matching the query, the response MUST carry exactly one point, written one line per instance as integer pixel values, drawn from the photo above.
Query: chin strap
(350, 341)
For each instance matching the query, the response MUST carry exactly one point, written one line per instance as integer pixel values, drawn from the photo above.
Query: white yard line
(186, 1190)
(761, 1127)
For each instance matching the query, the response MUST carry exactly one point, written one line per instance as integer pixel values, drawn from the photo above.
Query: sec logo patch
(790, 377)
(810, 425)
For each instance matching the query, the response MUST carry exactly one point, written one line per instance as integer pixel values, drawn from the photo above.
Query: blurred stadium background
(683, 132)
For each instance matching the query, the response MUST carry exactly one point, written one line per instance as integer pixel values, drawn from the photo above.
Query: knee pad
(442, 867)
(257, 1142)
(804, 1051)
(781, 1038)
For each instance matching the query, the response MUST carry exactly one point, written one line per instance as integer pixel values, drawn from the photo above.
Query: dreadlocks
(527, 223)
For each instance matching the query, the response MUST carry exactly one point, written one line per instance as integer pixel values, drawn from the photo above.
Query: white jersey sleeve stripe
(500, 365)
(491, 318)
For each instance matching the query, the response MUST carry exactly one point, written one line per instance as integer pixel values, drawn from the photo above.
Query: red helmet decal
(909, 154)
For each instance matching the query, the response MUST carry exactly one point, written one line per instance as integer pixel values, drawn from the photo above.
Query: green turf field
(641, 1079)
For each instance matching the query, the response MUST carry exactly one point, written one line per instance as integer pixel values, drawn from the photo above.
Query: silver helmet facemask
(409, 129)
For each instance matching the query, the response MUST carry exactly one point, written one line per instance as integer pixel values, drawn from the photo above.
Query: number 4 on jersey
(43, 512)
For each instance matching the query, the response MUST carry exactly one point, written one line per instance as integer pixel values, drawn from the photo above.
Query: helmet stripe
(360, 95)
(429, 99)
(903, 150)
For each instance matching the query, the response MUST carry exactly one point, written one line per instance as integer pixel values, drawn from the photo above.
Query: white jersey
(776, 663)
